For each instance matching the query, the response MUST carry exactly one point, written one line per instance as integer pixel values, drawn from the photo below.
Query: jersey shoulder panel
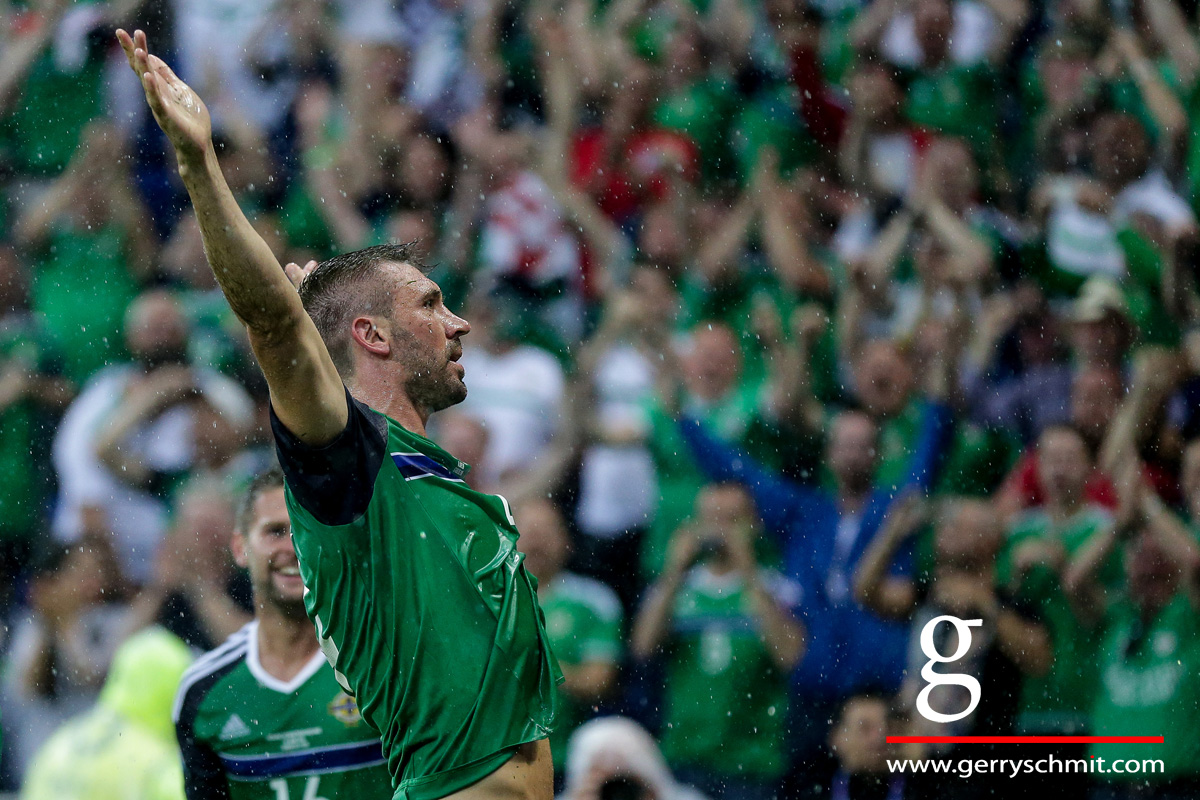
(201, 676)
(334, 482)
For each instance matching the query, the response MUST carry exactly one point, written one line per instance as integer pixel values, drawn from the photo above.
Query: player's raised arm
(306, 391)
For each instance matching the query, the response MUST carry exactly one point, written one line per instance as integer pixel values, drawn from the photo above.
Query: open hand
(178, 110)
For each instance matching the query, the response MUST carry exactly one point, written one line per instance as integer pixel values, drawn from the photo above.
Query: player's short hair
(346, 286)
(266, 480)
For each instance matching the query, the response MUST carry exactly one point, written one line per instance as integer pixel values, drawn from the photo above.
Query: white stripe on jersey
(234, 648)
(237, 639)
(231, 641)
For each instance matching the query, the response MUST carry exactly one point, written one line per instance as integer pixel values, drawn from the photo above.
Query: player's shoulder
(598, 597)
(375, 420)
(207, 671)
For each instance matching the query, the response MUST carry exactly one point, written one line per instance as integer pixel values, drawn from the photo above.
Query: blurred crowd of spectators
(795, 325)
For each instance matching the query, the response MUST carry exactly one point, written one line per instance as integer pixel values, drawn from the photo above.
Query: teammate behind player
(417, 590)
(262, 716)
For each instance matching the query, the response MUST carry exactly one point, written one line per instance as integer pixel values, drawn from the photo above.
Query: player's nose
(456, 325)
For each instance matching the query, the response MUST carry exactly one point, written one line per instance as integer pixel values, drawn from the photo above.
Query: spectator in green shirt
(89, 237)
(710, 370)
(1031, 565)
(945, 93)
(31, 392)
(1149, 662)
(58, 87)
(962, 582)
(730, 640)
(583, 620)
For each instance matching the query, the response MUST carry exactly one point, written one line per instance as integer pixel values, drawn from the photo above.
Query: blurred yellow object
(124, 748)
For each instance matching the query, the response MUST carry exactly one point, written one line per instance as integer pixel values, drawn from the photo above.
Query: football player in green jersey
(413, 580)
(262, 717)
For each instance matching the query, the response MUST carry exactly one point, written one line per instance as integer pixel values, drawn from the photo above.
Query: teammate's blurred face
(425, 342)
(265, 549)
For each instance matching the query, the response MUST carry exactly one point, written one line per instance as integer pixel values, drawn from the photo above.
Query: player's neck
(387, 399)
(285, 644)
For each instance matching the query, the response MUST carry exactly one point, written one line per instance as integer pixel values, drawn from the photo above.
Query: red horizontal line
(1025, 740)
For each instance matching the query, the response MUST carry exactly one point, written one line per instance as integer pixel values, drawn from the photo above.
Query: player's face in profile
(427, 342)
(266, 551)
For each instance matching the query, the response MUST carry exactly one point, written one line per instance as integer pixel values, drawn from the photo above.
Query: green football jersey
(1060, 701)
(1150, 672)
(584, 620)
(421, 601)
(245, 735)
(726, 699)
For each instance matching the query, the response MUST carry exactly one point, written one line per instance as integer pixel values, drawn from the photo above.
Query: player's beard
(267, 593)
(289, 607)
(431, 383)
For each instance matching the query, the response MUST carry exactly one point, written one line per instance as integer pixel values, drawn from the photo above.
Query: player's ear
(237, 544)
(372, 335)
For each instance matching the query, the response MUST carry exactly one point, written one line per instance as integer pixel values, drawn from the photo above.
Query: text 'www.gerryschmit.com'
(1012, 767)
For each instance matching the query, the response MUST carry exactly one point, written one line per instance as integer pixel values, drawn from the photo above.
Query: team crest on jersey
(344, 709)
